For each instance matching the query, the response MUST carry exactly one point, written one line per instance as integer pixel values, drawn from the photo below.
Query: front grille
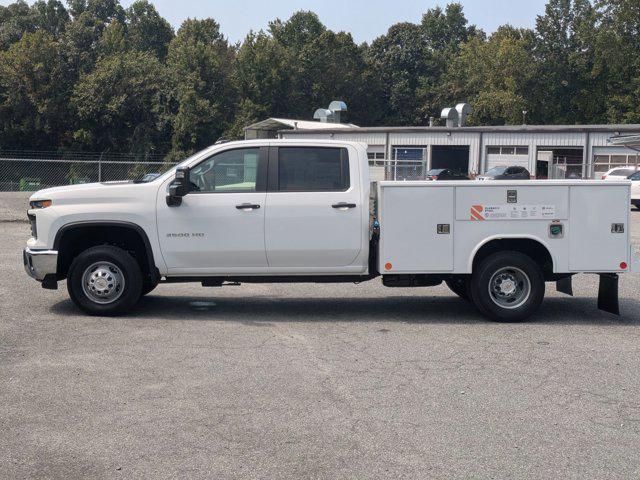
(34, 229)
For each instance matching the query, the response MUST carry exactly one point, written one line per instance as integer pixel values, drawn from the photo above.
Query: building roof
(339, 128)
(291, 124)
(631, 141)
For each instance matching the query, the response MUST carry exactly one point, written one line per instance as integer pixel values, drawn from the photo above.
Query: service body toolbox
(431, 227)
(438, 227)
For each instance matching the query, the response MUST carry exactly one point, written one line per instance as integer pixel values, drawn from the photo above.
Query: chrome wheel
(103, 282)
(509, 287)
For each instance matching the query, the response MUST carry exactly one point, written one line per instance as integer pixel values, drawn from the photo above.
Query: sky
(364, 19)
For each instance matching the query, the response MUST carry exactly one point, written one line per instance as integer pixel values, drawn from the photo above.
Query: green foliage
(200, 63)
(32, 94)
(147, 30)
(120, 103)
(495, 75)
(90, 74)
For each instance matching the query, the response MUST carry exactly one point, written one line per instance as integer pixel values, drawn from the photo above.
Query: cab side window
(229, 171)
(313, 169)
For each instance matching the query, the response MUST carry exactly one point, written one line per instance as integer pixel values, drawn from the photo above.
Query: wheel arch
(74, 236)
(530, 245)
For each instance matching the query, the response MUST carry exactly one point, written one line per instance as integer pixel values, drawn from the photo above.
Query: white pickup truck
(305, 211)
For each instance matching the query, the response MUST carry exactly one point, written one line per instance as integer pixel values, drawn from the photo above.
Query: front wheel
(507, 287)
(104, 280)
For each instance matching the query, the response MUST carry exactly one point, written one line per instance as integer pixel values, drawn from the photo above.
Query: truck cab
(305, 211)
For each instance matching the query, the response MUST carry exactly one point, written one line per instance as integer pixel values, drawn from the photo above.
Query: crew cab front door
(219, 227)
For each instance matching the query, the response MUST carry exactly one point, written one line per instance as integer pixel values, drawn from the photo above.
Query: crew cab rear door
(314, 208)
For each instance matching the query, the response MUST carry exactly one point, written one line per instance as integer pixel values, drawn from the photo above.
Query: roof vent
(324, 115)
(450, 115)
(464, 110)
(332, 114)
(456, 117)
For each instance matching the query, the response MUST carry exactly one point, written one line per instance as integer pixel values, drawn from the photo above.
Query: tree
(330, 67)
(113, 41)
(82, 35)
(617, 59)
(120, 105)
(301, 29)
(411, 60)
(495, 76)
(147, 30)
(262, 77)
(200, 64)
(32, 95)
(565, 54)
(15, 20)
(51, 16)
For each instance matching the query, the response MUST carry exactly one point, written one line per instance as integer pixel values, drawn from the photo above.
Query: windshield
(185, 161)
(496, 171)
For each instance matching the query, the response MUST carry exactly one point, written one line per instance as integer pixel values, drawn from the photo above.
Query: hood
(87, 191)
(47, 193)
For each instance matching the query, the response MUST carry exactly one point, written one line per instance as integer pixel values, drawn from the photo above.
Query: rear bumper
(40, 263)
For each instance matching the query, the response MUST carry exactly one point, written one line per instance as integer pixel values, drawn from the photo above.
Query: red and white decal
(476, 212)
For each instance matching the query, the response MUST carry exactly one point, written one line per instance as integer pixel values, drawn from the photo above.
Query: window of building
(313, 169)
(230, 171)
(376, 155)
(495, 150)
(604, 163)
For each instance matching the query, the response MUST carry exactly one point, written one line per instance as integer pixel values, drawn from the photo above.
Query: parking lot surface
(313, 381)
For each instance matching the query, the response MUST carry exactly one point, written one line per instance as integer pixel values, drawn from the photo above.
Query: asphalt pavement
(313, 381)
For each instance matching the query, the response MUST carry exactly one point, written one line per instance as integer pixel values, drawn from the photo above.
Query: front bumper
(40, 263)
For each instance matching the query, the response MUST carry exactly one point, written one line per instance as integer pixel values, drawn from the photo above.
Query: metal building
(547, 151)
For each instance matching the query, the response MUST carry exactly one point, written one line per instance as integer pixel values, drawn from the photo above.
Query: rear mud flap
(564, 285)
(608, 293)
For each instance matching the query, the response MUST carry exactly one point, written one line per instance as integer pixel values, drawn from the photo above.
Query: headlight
(40, 204)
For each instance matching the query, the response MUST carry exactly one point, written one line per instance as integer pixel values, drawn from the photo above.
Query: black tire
(460, 286)
(125, 270)
(513, 270)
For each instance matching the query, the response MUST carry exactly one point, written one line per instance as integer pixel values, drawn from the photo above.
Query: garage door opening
(562, 162)
(455, 158)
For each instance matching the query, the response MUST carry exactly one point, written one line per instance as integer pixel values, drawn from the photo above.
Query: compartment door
(593, 245)
(411, 241)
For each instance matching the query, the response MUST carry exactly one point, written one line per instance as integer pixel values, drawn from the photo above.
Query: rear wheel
(460, 286)
(104, 280)
(507, 287)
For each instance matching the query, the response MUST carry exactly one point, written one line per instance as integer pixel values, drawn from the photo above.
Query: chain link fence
(397, 170)
(30, 171)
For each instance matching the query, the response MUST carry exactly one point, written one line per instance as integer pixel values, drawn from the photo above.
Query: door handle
(343, 205)
(247, 206)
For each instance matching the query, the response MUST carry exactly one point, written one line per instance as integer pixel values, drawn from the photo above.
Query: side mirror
(179, 187)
